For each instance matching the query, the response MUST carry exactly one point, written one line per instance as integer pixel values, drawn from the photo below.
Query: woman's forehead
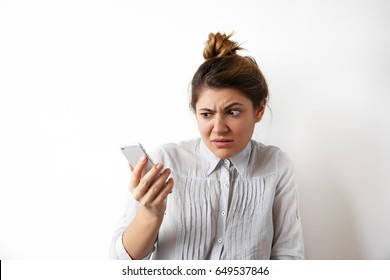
(223, 97)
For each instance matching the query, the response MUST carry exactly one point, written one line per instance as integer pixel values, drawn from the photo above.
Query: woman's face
(226, 120)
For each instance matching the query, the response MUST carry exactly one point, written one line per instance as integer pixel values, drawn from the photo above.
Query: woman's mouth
(222, 143)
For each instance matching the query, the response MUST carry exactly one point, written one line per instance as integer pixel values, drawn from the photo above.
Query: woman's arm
(288, 239)
(151, 192)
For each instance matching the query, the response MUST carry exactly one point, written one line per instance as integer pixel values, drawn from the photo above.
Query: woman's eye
(234, 113)
(205, 115)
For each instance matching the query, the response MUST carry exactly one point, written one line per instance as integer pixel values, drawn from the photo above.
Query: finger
(138, 190)
(163, 194)
(147, 181)
(157, 185)
(131, 167)
(137, 172)
(159, 182)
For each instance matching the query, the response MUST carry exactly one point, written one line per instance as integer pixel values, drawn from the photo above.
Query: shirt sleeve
(288, 239)
(117, 249)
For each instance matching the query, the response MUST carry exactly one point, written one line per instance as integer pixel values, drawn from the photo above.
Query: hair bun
(219, 45)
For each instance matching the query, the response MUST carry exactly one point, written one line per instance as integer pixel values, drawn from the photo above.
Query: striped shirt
(244, 207)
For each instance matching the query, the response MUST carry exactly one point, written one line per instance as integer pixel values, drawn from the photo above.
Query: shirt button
(219, 240)
(226, 185)
(223, 213)
(227, 162)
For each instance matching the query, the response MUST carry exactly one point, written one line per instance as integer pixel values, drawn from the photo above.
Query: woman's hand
(152, 189)
(151, 192)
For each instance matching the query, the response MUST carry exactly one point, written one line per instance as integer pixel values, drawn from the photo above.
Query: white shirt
(245, 207)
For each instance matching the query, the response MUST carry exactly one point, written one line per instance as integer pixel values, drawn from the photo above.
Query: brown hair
(224, 68)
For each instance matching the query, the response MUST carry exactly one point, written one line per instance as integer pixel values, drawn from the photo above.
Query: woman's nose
(220, 125)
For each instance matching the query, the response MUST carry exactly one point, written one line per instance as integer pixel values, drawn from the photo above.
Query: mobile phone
(134, 152)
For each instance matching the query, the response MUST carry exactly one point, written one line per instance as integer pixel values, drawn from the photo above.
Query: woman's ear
(259, 112)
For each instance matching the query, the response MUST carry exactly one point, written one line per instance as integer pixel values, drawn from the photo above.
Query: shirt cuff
(120, 249)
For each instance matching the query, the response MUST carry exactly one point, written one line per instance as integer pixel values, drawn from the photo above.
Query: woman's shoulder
(264, 148)
(263, 151)
(268, 158)
(179, 148)
(177, 154)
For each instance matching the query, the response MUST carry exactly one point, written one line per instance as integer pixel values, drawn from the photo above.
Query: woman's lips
(222, 143)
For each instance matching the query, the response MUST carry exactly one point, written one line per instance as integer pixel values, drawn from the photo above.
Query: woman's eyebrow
(233, 105)
(205, 109)
(226, 107)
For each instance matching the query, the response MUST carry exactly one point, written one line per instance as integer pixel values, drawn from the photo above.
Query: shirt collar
(241, 160)
(208, 158)
(210, 161)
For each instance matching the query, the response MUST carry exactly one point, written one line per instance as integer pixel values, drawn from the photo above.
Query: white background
(79, 79)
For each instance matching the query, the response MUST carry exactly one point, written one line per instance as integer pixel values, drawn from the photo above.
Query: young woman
(224, 195)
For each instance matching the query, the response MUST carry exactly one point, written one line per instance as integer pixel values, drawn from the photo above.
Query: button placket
(225, 184)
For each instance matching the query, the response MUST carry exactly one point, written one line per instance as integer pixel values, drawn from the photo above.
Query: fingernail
(170, 181)
(159, 166)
